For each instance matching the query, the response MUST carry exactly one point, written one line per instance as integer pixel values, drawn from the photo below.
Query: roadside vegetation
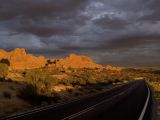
(45, 86)
(3, 71)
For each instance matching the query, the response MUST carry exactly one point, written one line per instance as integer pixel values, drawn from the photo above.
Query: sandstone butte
(19, 60)
(75, 61)
(80, 61)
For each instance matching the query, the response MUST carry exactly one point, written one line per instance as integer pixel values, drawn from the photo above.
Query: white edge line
(145, 106)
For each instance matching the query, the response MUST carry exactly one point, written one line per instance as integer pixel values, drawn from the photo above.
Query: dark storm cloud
(29, 8)
(41, 17)
(119, 44)
(44, 31)
(133, 41)
(111, 31)
(107, 22)
(154, 14)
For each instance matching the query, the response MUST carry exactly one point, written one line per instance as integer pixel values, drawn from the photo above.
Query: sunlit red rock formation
(75, 61)
(19, 59)
(3, 54)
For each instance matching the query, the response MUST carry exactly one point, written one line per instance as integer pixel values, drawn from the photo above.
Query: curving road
(131, 101)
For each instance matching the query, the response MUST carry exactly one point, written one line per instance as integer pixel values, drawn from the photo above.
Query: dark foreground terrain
(131, 101)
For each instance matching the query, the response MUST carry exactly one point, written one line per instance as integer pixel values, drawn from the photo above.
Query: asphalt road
(131, 101)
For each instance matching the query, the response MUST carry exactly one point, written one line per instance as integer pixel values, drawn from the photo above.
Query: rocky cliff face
(19, 59)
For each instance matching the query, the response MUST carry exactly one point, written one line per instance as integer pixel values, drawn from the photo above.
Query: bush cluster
(3, 70)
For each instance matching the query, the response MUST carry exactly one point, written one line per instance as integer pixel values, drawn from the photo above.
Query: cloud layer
(118, 32)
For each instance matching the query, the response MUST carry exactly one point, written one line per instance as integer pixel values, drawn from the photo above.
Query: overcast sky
(115, 32)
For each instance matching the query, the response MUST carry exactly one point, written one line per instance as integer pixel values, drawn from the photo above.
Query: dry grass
(9, 102)
(156, 87)
(7, 94)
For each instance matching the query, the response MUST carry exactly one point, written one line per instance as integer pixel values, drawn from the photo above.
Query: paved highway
(131, 101)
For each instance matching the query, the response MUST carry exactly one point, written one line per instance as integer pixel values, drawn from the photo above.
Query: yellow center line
(93, 107)
(90, 108)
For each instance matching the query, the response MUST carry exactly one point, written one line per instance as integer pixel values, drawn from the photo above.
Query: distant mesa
(18, 59)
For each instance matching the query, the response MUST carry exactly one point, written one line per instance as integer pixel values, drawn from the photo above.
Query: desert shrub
(34, 76)
(11, 87)
(76, 93)
(29, 93)
(40, 81)
(98, 88)
(49, 62)
(3, 70)
(69, 90)
(91, 81)
(80, 89)
(5, 61)
(65, 81)
(104, 82)
(44, 103)
(55, 97)
(7, 94)
(82, 82)
(56, 71)
(156, 87)
(38, 87)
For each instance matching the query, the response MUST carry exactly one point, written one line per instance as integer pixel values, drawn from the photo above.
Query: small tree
(3, 70)
(5, 61)
(40, 80)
